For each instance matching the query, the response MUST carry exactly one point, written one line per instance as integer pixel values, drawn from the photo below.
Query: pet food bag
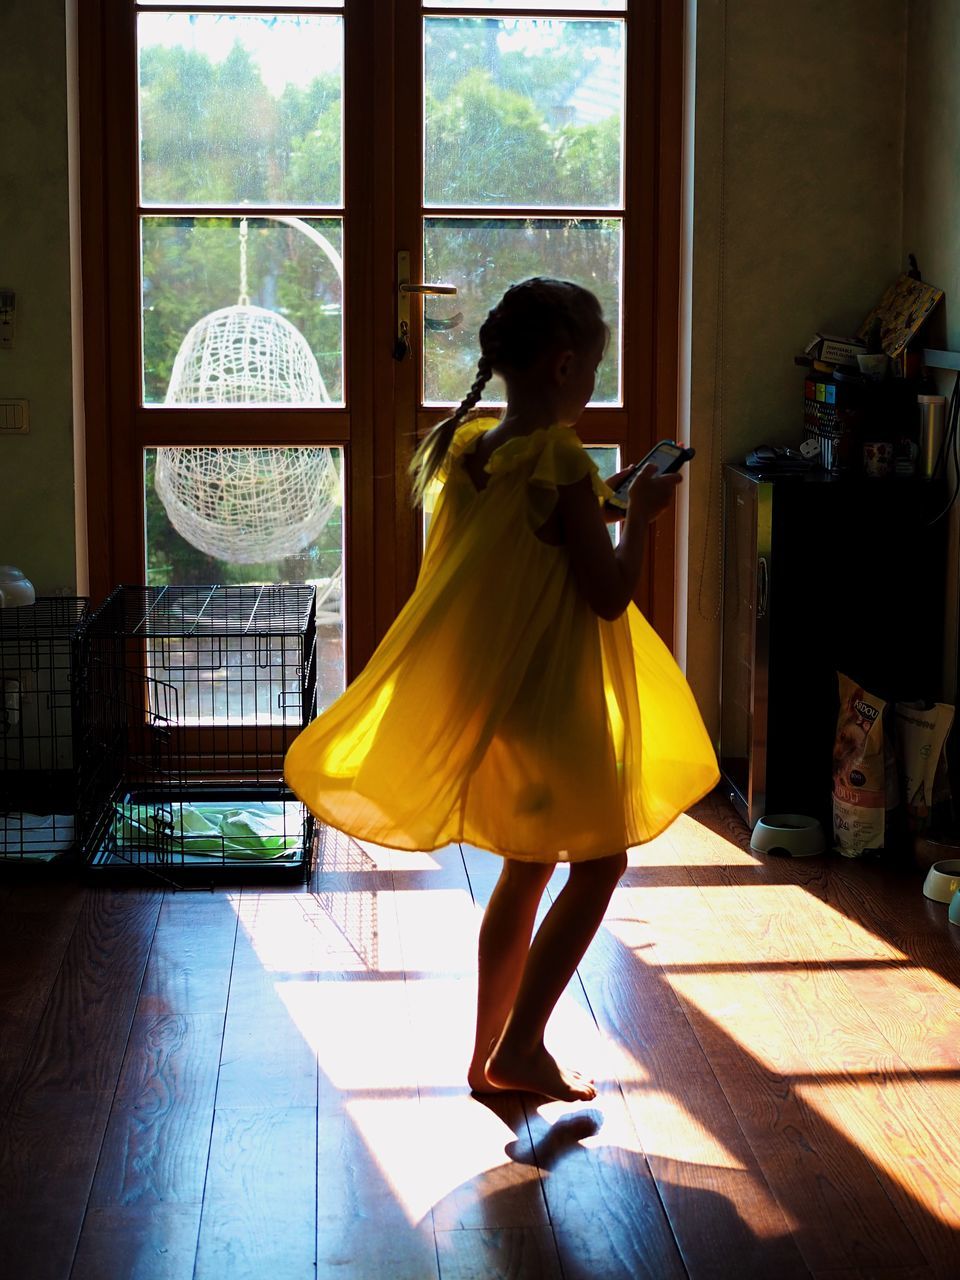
(921, 733)
(865, 788)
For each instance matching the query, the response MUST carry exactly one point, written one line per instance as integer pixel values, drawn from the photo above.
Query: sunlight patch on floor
(344, 931)
(436, 925)
(429, 1148)
(908, 1129)
(691, 925)
(389, 859)
(668, 1129)
(688, 842)
(360, 1032)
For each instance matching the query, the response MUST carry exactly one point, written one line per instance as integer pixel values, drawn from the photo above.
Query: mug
(953, 913)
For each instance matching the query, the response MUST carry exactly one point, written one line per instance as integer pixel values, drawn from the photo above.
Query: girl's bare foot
(478, 1082)
(477, 1075)
(539, 1073)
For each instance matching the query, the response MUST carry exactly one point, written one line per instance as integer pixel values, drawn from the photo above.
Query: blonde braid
(484, 374)
(433, 449)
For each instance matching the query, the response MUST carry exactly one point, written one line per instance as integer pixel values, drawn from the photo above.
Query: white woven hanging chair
(246, 505)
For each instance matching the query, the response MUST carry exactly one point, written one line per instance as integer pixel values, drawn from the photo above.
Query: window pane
(607, 458)
(523, 111)
(607, 6)
(483, 257)
(202, 345)
(289, 4)
(241, 517)
(240, 109)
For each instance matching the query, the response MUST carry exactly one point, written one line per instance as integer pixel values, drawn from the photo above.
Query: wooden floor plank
(363, 1228)
(156, 1145)
(713, 1189)
(259, 1206)
(143, 1242)
(596, 1179)
(477, 1185)
(271, 1082)
(503, 1253)
(772, 1021)
(825, 1184)
(266, 1059)
(904, 1123)
(39, 919)
(50, 1141)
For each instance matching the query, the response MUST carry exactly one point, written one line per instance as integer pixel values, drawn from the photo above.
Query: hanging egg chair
(247, 505)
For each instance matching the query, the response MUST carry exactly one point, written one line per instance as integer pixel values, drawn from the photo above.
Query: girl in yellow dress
(520, 702)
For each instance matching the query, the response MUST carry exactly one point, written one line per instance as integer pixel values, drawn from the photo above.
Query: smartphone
(667, 456)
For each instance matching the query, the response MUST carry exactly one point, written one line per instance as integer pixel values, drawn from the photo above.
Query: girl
(520, 701)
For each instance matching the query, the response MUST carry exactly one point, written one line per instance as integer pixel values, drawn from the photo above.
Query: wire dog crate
(37, 774)
(188, 698)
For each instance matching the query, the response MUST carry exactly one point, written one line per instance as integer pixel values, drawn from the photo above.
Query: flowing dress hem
(517, 857)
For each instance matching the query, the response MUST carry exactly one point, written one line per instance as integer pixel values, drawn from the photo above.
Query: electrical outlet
(14, 417)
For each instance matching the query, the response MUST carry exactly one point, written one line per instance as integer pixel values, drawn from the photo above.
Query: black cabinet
(821, 574)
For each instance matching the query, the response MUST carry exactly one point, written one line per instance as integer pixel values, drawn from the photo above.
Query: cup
(932, 411)
(878, 457)
(953, 911)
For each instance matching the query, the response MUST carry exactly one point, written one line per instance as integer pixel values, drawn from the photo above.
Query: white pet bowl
(943, 880)
(788, 835)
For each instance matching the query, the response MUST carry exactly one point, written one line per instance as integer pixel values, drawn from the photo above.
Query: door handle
(763, 587)
(405, 288)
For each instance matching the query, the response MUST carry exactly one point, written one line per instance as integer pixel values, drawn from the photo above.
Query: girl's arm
(607, 576)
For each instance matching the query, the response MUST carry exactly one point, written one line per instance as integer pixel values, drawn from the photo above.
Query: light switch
(14, 417)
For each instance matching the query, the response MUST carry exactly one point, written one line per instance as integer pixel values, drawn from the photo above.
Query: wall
(931, 211)
(36, 470)
(796, 227)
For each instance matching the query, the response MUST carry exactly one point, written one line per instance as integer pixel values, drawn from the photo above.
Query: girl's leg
(519, 1059)
(504, 943)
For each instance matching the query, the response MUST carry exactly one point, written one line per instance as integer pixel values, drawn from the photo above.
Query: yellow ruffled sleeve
(562, 460)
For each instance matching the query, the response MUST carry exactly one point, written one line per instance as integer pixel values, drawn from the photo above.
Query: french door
(295, 217)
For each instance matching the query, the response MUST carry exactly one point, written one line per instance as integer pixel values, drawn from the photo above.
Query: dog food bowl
(930, 848)
(788, 835)
(943, 880)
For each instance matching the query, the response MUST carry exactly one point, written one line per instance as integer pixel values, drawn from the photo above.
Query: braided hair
(532, 318)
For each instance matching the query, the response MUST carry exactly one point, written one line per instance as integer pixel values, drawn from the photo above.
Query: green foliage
(486, 145)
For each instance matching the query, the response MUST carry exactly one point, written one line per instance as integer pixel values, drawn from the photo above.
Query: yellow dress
(499, 709)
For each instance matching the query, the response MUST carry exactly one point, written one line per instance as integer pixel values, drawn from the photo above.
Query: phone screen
(661, 456)
(665, 453)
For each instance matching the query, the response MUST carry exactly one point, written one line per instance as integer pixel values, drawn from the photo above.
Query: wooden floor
(269, 1084)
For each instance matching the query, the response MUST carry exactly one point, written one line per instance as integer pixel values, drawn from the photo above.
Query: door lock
(406, 287)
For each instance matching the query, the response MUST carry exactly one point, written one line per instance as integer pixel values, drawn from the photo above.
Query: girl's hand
(650, 494)
(614, 480)
(612, 514)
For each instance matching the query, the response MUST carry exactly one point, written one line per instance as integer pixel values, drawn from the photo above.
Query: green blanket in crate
(264, 829)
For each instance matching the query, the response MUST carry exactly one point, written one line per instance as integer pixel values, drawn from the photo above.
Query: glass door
(259, 179)
(527, 159)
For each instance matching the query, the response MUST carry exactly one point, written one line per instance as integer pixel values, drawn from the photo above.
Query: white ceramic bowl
(943, 880)
(15, 588)
(788, 835)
